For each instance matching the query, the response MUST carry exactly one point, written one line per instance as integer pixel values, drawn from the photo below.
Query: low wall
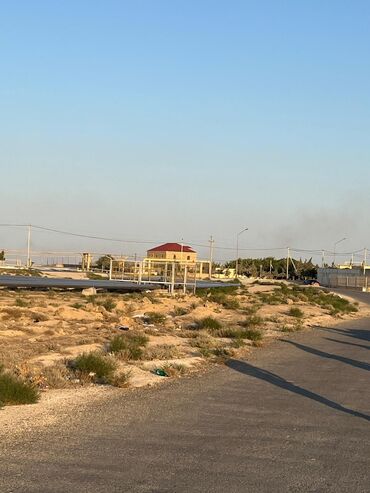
(343, 278)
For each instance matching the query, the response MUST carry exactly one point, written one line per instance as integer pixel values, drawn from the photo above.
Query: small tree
(2, 255)
(104, 262)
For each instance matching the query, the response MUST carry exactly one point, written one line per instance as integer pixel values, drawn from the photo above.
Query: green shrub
(179, 311)
(209, 323)
(13, 390)
(20, 302)
(108, 304)
(129, 346)
(253, 335)
(232, 333)
(295, 312)
(77, 306)
(101, 368)
(252, 321)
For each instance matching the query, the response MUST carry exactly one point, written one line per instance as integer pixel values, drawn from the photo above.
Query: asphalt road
(64, 283)
(294, 418)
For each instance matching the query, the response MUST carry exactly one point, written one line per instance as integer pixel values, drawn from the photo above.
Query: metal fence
(173, 274)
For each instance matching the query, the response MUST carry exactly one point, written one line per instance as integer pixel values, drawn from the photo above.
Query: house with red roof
(173, 251)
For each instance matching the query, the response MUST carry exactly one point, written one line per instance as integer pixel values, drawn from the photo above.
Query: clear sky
(164, 120)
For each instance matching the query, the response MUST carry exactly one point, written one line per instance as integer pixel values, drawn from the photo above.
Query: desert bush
(57, 376)
(179, 311)
(10, 313)
(154, 318)
(128, 346)
(221, 296)
(77, 306)
(253, 335)
(14, 390)
(296, 312)
(208, 323)
(98, 367)
(122, 379)
(108, 303)
(37, 316)
(223, 353)
(21, 302)
(231, 333)
(252, 321)
(174, 369)
(252, 309)
(162, 352)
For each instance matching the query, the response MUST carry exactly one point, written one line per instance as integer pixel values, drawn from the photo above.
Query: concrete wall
(343, 278)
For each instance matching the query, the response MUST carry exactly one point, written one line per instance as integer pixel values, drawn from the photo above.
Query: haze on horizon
(160, 121)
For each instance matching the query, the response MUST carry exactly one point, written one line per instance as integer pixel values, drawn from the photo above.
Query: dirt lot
(150, 335)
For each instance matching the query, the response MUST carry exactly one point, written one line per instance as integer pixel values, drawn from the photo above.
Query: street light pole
(237, 252)
(335, 247)
(29, 262)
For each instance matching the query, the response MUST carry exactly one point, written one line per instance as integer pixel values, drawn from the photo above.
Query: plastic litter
(160, 372)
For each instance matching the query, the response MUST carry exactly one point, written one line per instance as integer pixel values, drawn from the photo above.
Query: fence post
(185, 277)
(173, 279)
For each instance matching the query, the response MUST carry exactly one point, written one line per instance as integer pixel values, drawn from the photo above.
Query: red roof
(172, 247)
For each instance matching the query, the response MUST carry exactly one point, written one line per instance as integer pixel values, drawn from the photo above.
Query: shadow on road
(273, 379)
(336, 357)
(364, 335)
(347, 343)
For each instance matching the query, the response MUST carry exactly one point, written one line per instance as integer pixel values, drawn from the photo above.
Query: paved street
(294, 418)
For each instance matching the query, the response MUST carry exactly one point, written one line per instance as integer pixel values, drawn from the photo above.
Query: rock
(123, 327)
(89, 292)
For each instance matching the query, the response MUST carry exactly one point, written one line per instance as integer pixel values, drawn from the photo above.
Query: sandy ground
(40, 332)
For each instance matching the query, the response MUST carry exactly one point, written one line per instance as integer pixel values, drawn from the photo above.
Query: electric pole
(287, 264)
(211, 242)
(29, 262)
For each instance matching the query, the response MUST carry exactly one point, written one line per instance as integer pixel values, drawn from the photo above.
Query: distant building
(173, 251)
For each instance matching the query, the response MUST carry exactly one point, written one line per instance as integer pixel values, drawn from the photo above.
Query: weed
(13, 390)
(232, 333)
(209, 323)
(253, 335)
(162, 352)
(173, 369)
(252, 321)
(77, 306)
(129, 346)
(98, 367)
(295, 312)
(108, 303)
(179, 311)
(21, 302)
(154, 318)
(122, 380)
(57, 376)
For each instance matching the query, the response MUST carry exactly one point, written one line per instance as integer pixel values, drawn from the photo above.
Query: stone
(89, 292)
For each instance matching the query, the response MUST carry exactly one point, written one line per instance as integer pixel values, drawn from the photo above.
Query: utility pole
(287, 264)
(335, 249)
(365, 260)
(237, 252)
(29, 261)
(323, 258)
(211, 242)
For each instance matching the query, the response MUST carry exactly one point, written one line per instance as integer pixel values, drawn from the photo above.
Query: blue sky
(166, 120)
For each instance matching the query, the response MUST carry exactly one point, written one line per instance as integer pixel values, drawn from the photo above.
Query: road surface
(63, 283)
(294, 418)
